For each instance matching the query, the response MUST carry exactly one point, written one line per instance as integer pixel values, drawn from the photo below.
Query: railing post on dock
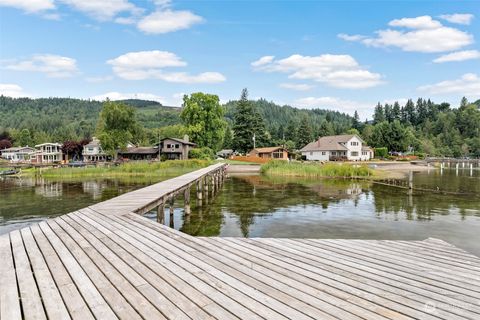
(161, 212)
(187, 200)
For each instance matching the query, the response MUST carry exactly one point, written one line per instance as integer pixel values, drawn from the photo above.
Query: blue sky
(341, 55)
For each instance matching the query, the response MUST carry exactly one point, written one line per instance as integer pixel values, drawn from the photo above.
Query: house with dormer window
(347, 147)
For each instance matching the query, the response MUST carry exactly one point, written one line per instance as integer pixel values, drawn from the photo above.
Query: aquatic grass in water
(151, 169)
(330, 170)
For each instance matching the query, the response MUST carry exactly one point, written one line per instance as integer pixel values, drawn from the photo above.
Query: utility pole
(254, 141)
(159, 157)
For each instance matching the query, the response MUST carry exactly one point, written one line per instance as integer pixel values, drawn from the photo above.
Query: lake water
(259, 206)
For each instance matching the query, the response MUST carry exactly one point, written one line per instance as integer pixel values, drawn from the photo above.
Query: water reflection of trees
(422, 205)
(252, 197)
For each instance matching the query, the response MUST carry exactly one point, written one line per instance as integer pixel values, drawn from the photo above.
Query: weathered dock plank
(108, 262)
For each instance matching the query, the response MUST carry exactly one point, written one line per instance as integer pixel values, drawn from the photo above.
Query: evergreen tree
(291, 131)
(247, 124)
(356, 121)
(326, 129)
(410, 115)
(388, 112)
(379, 114)
(396, 111)
(305, 133)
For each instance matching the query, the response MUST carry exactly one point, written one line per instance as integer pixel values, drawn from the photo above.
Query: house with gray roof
(176, 149)
(341, 147)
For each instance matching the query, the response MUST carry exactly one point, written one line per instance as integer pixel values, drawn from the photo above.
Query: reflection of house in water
(334, 191)
(49, 189)
(94, 188)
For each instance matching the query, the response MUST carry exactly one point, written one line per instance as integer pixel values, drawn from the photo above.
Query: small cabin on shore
(139, 153)
(276, 153)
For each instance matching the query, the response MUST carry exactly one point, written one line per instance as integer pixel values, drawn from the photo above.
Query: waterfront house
(176, 149)
(17, 154)
(341, 147)
(47, 153)
(225, 153)
(277, 153)
(139, 153)
(93, 152)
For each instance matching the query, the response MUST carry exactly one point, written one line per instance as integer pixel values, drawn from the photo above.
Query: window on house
(354, 153)
(177, 146)
(334, 153)
(278, 155)
(364, 153)
(323, 153)
(311, 153)
(169, 146)
(354, 143)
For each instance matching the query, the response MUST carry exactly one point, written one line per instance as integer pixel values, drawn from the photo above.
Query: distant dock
(107, 261)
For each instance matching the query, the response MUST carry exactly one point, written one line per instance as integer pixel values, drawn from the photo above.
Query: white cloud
(262, 61)
(459, 18)
(458, 56)
(467, 85)
(340, 71)
(103, 10)
(353, 37)
(168, 21)
(53, 66)
(12, 90)
(296, 86)
(99, 79)
(150, 65)
(422, 22)
(423, 34)
(29, 5)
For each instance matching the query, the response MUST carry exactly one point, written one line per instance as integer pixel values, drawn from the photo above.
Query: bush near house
(380, 152)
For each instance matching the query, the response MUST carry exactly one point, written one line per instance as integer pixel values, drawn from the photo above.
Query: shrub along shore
(129, 169)
(329, 170)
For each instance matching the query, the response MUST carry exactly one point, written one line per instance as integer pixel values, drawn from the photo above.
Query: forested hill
(279, 118)
(60, 119)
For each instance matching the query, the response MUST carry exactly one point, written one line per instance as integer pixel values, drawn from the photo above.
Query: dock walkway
(108, 262)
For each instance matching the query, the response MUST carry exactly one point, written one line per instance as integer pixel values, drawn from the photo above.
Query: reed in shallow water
(137, 168)
(329, 170)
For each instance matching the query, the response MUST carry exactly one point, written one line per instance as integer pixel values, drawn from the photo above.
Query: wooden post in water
(212, 181)
(171, 205)
(199, 190)
(161, 212)
(186, 196)
(410, 180)
(205, 180)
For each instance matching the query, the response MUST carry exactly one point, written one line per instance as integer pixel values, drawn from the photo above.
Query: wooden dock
(108, 262)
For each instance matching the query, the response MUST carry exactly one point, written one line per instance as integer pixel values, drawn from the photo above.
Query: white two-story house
(342, 147)
(93, 152)
(47, 153)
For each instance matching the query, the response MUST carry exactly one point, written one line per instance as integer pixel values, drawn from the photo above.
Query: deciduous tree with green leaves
(117, 126)
(203, 118)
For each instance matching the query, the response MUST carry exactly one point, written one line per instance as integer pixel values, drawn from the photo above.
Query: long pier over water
(106, 261)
